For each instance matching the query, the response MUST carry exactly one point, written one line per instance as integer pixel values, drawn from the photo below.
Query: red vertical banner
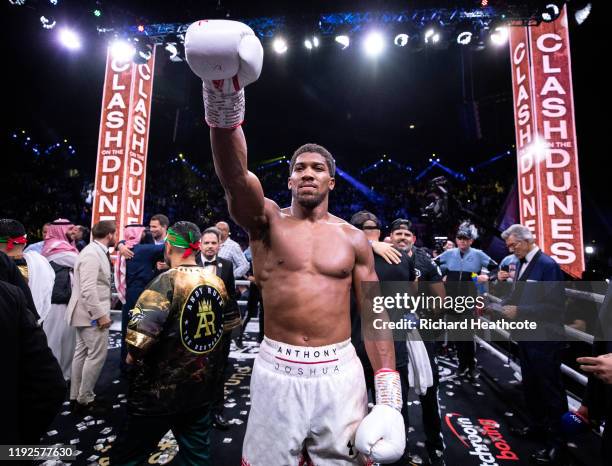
(547, 156)
(123, 142)
(132, 206)
(111, 141)
(559, 179)
(524, 126)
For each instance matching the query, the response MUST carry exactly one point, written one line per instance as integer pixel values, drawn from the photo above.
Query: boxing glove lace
(381, 434)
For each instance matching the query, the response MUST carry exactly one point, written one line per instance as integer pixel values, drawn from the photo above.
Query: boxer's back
(304, 269)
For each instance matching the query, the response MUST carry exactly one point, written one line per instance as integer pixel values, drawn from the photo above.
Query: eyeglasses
(370, 227)
(511, 246)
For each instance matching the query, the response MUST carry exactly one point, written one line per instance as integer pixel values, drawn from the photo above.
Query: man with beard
(174, 340)
(308, 396)
(430, 282)
(62, 255)
(89, 312)
(224, 269)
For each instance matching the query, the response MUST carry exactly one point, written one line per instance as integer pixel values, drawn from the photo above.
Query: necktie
(209, 263)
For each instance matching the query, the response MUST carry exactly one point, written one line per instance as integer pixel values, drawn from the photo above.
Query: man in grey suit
(89, 311)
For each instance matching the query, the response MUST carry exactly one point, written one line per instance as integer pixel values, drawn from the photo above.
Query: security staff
(462, 266)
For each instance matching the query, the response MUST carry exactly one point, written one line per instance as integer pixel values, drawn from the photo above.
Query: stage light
(47, 23)
(499, 35)
(97, 13)
(373, 44)
(171, 49)
(122, 51)
(311, 42)
(550, 13)
(144, 51)
(583, 13)
(589, 249)
(175, 51)
(141, 28)
(343, 40)
(401, 40)
(431, 36)
(279, 45)
(69, 39)
(464, 38)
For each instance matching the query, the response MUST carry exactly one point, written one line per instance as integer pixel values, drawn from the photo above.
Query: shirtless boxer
(308, 397)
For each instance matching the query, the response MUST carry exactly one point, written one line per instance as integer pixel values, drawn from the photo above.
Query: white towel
(420, 376)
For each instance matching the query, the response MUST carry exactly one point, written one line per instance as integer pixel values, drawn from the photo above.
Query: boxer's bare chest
(304, 247)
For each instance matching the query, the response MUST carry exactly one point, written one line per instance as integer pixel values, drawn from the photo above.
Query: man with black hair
(306, 364)
(38, 247)
(80, 236)
(430, 282)
(224, 269)
(402, 271)
(133, 275)
(158, 224)
(174, 340)
(35, 269)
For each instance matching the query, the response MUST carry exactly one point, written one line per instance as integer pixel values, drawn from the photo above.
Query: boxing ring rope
(569, 331)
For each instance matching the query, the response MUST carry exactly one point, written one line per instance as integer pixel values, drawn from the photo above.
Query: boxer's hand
(381, 435)
(227, 56)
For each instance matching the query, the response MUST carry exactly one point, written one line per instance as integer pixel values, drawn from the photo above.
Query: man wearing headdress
(34, 268)
(62, 256)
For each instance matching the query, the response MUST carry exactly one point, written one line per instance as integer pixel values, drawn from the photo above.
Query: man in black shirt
(387, 272)
(430, 282)
(36, 389)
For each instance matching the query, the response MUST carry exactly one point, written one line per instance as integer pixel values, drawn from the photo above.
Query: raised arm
(245, 198)
(227, 56)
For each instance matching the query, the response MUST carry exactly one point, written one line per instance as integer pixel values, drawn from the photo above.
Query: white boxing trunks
(306, 405)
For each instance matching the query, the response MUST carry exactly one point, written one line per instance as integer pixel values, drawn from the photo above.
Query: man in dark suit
(542, 303)
(224, 269)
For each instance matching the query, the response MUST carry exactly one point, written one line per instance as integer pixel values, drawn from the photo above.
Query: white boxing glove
(381, 435)
(227, 56)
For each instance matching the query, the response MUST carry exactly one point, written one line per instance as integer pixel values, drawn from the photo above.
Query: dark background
(357, 107)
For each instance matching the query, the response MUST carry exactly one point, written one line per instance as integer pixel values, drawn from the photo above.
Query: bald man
(231, 250)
